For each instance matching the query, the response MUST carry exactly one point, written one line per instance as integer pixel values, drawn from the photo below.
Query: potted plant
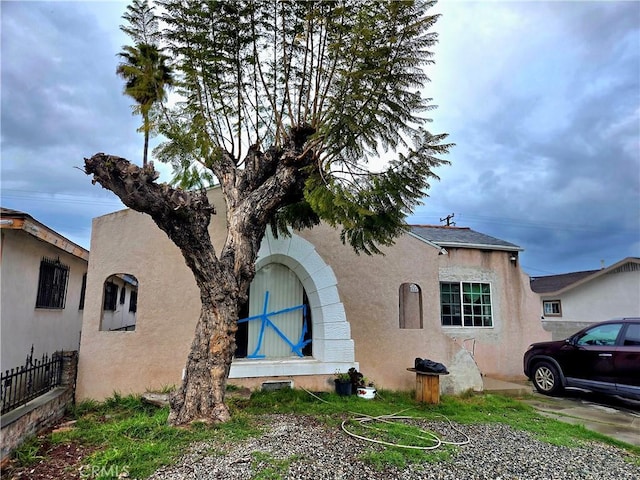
(366, 389)
(343, 383)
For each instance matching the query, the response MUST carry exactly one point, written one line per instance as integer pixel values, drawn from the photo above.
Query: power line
(59, 197)
(514, 222)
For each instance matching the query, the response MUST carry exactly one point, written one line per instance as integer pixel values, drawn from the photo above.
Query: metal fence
(36, 377)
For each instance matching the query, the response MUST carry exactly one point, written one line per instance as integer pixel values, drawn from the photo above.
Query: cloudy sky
(542, 100)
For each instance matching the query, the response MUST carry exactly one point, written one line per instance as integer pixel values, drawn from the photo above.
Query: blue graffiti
(265, 322)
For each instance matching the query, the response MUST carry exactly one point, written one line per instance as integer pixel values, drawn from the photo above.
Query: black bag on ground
(429, 366)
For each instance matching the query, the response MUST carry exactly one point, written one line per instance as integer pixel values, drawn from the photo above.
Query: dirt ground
(58, 462)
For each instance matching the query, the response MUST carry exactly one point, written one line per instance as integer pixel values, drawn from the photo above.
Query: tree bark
(252, 196)
(201, 396)
(184, 217)
(146, 126)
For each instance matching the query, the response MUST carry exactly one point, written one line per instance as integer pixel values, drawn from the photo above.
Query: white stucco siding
(615, 294)
(23, 325)
(333, 348)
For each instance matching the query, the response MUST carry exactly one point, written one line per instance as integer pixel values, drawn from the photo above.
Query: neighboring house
(43, 276)
(572, 301)
(449, 294)
(119, 303)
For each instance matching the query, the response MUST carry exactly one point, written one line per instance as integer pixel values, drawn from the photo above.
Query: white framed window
(552, 308)
(465, 304)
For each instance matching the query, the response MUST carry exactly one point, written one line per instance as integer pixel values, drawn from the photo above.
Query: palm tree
(147, 77)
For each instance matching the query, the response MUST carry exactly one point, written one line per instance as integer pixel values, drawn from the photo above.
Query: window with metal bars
(110, 296)
(52, 285)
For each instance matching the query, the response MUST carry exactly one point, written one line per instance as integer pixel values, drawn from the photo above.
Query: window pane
(601, 335)
(116, 316)
(450, 304)
(632, 336)
(52, 284)
(476, 304)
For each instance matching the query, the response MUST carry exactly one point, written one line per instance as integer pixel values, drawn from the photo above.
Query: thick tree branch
(184, 216)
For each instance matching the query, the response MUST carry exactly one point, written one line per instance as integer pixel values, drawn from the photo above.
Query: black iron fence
(36, 377)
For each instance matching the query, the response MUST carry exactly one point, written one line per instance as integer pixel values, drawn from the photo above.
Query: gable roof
(558, 284)
(17, 220)
(460, 237)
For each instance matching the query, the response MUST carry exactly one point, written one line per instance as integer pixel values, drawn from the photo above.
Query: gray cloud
(546, 117)
(541, 98)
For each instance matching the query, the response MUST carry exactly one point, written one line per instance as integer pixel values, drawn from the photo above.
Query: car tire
(546, 378)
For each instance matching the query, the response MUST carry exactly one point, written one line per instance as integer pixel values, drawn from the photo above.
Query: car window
(600, 335)
(632, 335)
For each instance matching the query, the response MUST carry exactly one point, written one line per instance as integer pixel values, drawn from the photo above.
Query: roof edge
(40, 231)
(428, 242)
(593, 276)
(477, 246)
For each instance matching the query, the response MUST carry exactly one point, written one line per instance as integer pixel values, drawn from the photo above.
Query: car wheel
(546, 378)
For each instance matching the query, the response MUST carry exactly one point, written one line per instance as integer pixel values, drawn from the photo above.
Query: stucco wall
(369, 287)
(498, 349)
(22, 324)
(364, 288)
(614, 294)
(154, 354)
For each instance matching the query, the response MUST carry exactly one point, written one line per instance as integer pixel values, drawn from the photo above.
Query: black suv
(604, 357)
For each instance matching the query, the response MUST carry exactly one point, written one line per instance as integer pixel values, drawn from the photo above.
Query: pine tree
(285, 104)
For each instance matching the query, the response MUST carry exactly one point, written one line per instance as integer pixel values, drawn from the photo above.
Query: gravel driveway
(309, 450)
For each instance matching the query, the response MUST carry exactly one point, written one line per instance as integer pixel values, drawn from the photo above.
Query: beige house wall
(370, 288)
(616, 294)
(153, 355)
(23, 325)
(497, 350)
(364, 290)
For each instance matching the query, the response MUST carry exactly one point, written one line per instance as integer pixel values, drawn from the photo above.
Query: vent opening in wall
(276, 385)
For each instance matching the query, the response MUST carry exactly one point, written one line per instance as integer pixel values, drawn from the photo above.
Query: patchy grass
(134, 437)
(126, 435)
(28, 453)
(270, 468)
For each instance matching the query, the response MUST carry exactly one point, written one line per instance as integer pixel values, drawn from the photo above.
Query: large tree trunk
(202, 394)
(184, 217)
(252, 196)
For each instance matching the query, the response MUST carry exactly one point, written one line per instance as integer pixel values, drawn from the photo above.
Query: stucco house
(43, 277)
(572, 301)
(449, 294)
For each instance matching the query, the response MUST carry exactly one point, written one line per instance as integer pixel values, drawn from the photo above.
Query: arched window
(117, 313)
(278, 320)
(410, 306)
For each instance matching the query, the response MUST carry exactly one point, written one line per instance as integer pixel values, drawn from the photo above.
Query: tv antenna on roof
(448, 220)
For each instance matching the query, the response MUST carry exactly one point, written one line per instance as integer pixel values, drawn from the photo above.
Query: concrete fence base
(41, 413)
